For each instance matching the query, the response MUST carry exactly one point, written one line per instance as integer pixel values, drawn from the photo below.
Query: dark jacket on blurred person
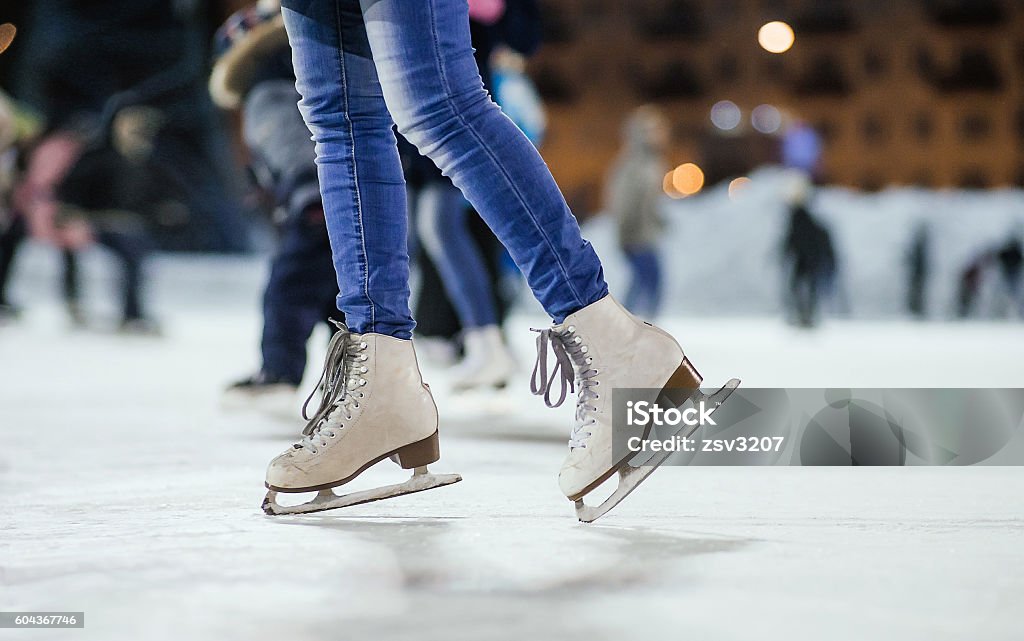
(282, 157)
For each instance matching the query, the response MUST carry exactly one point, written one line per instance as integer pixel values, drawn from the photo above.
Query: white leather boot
(598, 349)
(487, 361)
(374, 406)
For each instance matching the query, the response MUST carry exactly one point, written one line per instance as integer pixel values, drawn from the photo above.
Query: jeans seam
(508, 179)
(364, 258)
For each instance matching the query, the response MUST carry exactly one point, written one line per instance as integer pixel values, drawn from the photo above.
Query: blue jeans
(442, 218)
(644, 297)
(300, 294)
(363, 65)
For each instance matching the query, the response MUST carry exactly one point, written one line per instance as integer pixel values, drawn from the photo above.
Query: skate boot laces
(342, 378)
(569, 351)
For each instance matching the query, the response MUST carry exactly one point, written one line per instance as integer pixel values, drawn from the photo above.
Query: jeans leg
(651, 271)
(644, 297)
(132, 249)
(444, 232)
(634, 296)
(132, 286)
(301, 279)
(70, 286)
(432, 85)
(357, 158)
(657, 284)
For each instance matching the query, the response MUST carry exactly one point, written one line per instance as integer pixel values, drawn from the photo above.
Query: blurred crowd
(112, 141)
(135, 127)
(172, 124)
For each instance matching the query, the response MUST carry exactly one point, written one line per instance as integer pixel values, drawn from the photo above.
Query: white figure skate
(487, 364)
(600, 348)
(265, 394)
(374, 406)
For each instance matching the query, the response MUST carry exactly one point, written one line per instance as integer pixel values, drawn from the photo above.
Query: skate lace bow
(341, 380)
(571, 368)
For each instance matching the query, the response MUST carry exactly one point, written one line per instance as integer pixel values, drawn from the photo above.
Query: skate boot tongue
(343, 375)
(571, 355)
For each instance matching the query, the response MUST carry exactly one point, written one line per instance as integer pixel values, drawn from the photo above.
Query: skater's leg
(442, 222)
(634, 295)
(656, 282)
(813, 295)
(120, 247)
(435, 314)
(69, 283)
(293, 302)
(357, 157)
(131, 290)
(131, 249)
(286, 328)
(432, 85)
(374, 404)
(10, 241)
(71, 287)
(651, 272)
(644, 294)
(436, 322)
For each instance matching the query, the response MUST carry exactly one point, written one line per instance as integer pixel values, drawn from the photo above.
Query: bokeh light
(766, 118)
(737, 187)
(726, 115)
(669, 188)
(7, 33)
(776, 37)
(688, 179)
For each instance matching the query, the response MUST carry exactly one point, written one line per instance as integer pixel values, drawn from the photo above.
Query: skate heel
(420, 453)
(681, 385)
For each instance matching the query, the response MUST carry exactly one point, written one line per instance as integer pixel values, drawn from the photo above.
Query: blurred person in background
(969, 284)
(92, 59)
(918, 269)
(1003, 266)
(17, 130)
(253, 73)
(1010, 259)
(96, 183)
(635, 198)
(808, 257)
(466, 255)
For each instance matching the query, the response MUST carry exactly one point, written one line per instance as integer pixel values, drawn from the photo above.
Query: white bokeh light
(726, 115)
(776, 37)
(766, 118)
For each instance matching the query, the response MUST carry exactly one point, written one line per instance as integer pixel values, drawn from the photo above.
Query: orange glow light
(688, 179)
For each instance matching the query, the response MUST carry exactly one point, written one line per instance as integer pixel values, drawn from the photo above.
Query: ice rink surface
(131, 494)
